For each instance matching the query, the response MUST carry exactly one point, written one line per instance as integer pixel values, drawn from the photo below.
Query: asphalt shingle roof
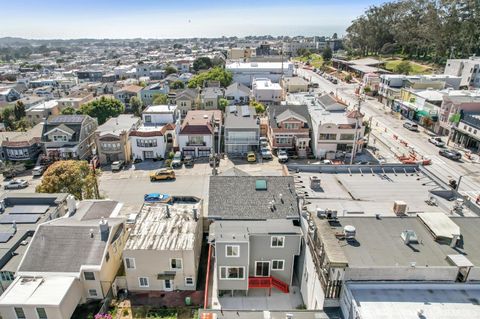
(235, 198)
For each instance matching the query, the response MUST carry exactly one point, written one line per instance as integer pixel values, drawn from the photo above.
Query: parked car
(411, 126)
(251, 157)
(451, 154)
(38, 170)
(177, 160)
(188, 161)
(437, 141)
(16, 184)
(282, 156)
(117, 166)
(263, 141)
(156, 197)
(162, 174)
(266, 154)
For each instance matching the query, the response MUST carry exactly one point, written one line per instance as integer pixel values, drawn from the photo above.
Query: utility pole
(355, 137)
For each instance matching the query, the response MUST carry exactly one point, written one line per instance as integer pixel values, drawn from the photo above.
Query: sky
(68, 19)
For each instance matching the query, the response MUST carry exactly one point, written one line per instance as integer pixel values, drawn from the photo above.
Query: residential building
(126, 93)
(147, 94)
(467, 69)
(69, 136)
(255, 235)
(199, 132)
(8, 95)
(69, 261)
(209, 97)
(237, 93)
(241, 130)
(241, 53)
(333, 129)
(75, 100)
(454, 103)
(291, 48)
(160, 114)
(30, 100)
(266, 92)
(112, 138)
(22, 146)
(294, 84)
(246, 72)
(17, 235)
(152, 141)
(467, 132)
(186, 100)
(163, 249)
(289, 128)
(89, 76)
(39, 112)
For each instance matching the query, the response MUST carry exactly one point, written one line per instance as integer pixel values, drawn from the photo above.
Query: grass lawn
(150, 313)
(417, 68)
(316, 60)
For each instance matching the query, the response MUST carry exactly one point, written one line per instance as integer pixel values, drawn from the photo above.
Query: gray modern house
(242, 130)
(255, 233)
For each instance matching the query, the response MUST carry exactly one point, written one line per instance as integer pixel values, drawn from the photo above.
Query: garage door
(190, 152)
(204, 152)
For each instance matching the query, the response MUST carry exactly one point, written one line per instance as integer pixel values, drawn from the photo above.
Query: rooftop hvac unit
(315, 182)
(349, 231)
(400, 208)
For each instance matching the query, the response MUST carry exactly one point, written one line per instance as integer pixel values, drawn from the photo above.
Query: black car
(451, 154)
(188, 161)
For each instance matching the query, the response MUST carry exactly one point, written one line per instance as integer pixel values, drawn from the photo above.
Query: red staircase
(267, 282)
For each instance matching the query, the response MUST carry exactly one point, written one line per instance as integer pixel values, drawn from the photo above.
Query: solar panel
(20, 218)
(4, 237)
(28, 209)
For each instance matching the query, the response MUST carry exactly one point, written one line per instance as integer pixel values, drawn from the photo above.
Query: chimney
(71, 205)
(104, 229)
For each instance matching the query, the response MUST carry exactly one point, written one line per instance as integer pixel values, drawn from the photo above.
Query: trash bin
(188, 301)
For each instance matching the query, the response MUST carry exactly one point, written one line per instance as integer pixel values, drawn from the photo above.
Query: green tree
(169, 69)
(222, 104)
(74, 177)
(136, 105)
(403, 67)
(259, 107)
(8, 118)
(177, 85)
(327, 54)
(69, 111)
(202, 63)
(19, 110)
(22, 125)
(103, 108)
(160, 99)
(215, 74)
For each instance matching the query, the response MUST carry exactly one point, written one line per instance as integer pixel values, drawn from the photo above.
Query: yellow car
(251, 157)
(162, 174)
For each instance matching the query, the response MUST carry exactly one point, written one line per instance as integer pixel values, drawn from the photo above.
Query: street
(388, 128)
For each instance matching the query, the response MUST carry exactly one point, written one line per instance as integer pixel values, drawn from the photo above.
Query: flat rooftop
(160, 109)
(370, 193)
(165, 227)
(228, 230)
(399, 301)
(378, 242)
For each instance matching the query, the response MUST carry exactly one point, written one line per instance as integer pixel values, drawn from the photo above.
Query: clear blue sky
(175, 18)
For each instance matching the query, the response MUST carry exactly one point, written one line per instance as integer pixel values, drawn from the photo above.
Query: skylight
(261, 185)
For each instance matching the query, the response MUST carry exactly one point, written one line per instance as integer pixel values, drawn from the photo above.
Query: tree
(327, 54)
(7, 118)
(74, 177)
(69, 111)
(19, 110)
(22, 125)
(215, 74)
(259, 107)
(202, 63)
(103, 108)
(169, 69)
(177, 85)
(403, 67)
(222, 104)
(160, 99)
(335, 36)
(136, 105)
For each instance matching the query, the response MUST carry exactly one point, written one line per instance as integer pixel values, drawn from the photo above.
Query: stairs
(267, 282)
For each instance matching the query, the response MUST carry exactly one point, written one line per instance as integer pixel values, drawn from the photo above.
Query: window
(347, 136)
(42, 314)
(176, 263)
(329, 137)
(130, 263)
(232, 273)
(143, 282)
(19, 313)
(278, 241)
(188, 281)
(148, 119)
(195, 140)
(283, 140)
(89, 275)
(232, 251)
(278, 264)
(147, 143)
(92, 292)
(291, 126)
(59, 138)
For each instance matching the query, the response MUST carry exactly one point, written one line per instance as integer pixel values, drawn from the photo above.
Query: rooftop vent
(409, 236)
(349, 231)
(261, 185)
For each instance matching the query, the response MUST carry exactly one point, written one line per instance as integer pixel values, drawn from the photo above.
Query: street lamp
(460, 179)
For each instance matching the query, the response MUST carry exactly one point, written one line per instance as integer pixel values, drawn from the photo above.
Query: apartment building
(467, 69)
(241, 130)
(266, 92)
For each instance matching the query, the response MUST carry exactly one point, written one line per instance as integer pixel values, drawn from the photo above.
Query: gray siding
(241, 261)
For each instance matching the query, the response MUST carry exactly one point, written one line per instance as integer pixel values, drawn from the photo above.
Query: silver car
(16, 184)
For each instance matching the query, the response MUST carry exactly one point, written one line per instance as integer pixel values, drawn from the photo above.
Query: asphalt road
(442, 167)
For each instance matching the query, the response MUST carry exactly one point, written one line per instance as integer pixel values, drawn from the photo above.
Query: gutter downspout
(205, 302)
